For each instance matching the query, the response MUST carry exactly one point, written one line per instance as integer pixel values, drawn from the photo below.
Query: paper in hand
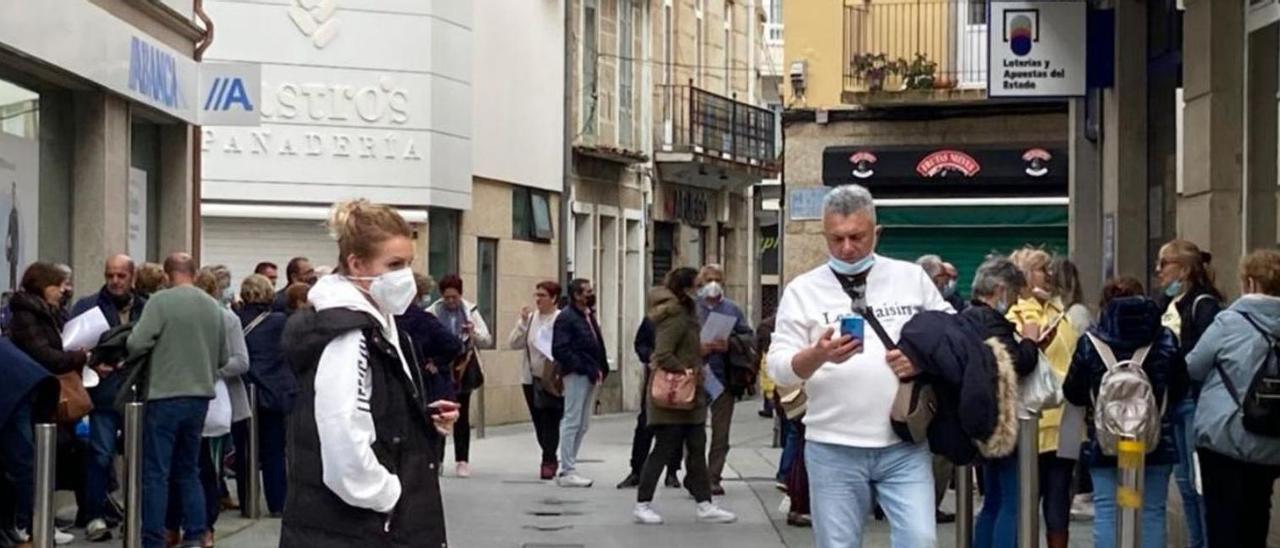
(82, 332)
(717, 327)
(542, 341)
(711, 384)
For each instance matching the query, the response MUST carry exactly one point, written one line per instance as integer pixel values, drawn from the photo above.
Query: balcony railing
(896, 45)
(698, 121)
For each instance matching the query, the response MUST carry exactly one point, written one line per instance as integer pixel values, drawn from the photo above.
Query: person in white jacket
(545, 407)
(851, 382)
(363, 466)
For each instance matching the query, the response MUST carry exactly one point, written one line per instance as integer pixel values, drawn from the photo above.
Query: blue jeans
(790, 446)
(578, 405)
(17, 455)
(841, 479)
(104, 424)
(171, 449)
(997, 525)
(1184, 434)
(1154, 495)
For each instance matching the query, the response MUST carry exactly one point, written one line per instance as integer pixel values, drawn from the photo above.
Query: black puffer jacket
(36, 328)
(315, 517)
(1025, 354)
(1126, 325)
(952, 357)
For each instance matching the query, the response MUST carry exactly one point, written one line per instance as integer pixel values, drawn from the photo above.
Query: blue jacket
(1126, 325)
(25, 382)
(578, 346)
(268, 369)
(1233, 344)
(645, 340)
(434, 346)
(104, 395)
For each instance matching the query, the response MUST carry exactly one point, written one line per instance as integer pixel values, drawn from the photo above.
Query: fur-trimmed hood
(1005, 437)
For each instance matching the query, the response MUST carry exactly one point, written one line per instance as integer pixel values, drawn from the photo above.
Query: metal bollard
(253, 480)
(1131, 459)
(964, 506)
(133, 475)
(42, 530)
(1029, 482)
(479, 405)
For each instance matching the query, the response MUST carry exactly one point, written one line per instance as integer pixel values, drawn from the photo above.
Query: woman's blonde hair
(360, 226)
(1030, 259)
(257, 289)
(1263, 267)
(207, 281)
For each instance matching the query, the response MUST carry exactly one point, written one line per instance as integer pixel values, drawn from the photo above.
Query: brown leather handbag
(73, 401)
(673, 390)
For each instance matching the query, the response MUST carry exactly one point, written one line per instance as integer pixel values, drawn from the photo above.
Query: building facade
(347, 111)
(892, 95)
(98, 101)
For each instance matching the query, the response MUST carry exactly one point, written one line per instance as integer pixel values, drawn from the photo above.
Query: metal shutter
(241, 244)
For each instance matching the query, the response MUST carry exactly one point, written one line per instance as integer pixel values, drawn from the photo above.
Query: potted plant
(919, 73)
(872, 69)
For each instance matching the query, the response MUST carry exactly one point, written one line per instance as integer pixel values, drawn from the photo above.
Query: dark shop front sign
(930, 172)
(685, 204)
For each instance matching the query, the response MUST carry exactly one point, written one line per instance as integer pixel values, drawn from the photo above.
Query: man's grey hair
(846, 200)
(997, 272)
(932, 264)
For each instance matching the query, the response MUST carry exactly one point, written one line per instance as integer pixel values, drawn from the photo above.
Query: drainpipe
(566, 191)
(197, 136)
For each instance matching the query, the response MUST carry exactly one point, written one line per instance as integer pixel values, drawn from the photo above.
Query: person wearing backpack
(1236, 433)
(1127, 361)
(1190, 302)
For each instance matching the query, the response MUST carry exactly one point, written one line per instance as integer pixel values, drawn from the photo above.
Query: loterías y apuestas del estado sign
(369, 120)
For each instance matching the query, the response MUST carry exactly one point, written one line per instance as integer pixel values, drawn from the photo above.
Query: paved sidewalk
(504, 504)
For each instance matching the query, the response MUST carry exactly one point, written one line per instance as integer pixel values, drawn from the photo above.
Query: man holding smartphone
(851, 380)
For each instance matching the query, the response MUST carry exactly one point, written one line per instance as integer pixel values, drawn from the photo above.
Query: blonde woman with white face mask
(363, 436)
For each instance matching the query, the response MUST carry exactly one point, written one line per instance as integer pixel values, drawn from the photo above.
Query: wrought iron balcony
(712, 126)
(915, 50)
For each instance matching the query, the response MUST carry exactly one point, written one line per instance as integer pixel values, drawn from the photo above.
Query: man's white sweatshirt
(849, 403)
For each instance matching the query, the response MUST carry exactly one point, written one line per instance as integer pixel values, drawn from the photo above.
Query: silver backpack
(1125, 407)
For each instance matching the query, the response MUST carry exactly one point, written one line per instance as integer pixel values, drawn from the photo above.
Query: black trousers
(1237, 500)
(642, 439)
(546, 426)
(670, 439)
(462, 430)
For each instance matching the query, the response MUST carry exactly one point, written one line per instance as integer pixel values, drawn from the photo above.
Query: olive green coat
(677, 347)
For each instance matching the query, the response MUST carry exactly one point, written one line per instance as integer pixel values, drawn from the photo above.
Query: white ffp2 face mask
(393, 290)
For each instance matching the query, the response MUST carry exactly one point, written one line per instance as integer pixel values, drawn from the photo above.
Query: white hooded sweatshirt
(343, 391)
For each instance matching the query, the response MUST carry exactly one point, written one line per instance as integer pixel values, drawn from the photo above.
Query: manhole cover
(559, 502)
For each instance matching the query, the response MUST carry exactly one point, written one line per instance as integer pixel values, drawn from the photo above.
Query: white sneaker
(61, 537)
(97, 531)
(645, 515)
(573, 480)
(464, 470)
(710, 513)
(22, 534)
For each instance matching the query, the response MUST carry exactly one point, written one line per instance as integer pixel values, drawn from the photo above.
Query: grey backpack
(1125, 407)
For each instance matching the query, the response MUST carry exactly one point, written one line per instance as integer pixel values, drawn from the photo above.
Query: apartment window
(442, 250)
(626, 71)
(531, 215)
(487, 286)
(700, 13)
(590, 57)
(664, 250)
(977, 12)
(728, 48)
(775, 12)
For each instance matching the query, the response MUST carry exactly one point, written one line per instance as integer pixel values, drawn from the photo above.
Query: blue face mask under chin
(852, 269)
(1174, 289)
